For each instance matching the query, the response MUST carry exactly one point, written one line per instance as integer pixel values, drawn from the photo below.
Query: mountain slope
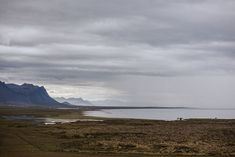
(26, 95)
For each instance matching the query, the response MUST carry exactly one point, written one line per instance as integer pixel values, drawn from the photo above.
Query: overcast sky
(143, 52)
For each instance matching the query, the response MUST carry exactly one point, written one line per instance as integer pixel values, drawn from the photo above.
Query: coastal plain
(105, 137)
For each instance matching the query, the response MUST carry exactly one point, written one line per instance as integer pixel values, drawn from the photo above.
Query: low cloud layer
(116, 45)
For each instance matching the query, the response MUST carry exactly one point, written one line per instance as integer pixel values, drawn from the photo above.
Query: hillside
(26, 95)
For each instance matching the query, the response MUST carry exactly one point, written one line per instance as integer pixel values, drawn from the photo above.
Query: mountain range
(82, 102)
(74, 101)
(26, 95)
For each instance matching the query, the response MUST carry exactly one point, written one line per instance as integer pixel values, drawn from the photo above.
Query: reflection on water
(163, 114)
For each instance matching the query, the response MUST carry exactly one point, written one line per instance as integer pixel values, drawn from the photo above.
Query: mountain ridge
(26, 95)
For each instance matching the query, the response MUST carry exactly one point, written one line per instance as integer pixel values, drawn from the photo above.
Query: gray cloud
(77, 42)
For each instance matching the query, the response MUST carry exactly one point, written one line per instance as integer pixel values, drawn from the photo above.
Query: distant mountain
(26, 95)
(82, 102)
(74, 101)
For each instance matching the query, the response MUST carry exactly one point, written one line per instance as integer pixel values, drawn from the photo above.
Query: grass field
(112, 137)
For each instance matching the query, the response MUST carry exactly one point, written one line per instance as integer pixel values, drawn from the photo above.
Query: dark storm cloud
(100, 39)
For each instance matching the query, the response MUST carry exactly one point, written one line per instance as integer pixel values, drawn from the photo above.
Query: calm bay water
(164, 114)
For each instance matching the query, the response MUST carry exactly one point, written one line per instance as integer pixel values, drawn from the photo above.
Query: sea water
(164, 114)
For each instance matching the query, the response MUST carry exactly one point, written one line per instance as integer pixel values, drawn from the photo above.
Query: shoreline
(112, 137)
(166, 114)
